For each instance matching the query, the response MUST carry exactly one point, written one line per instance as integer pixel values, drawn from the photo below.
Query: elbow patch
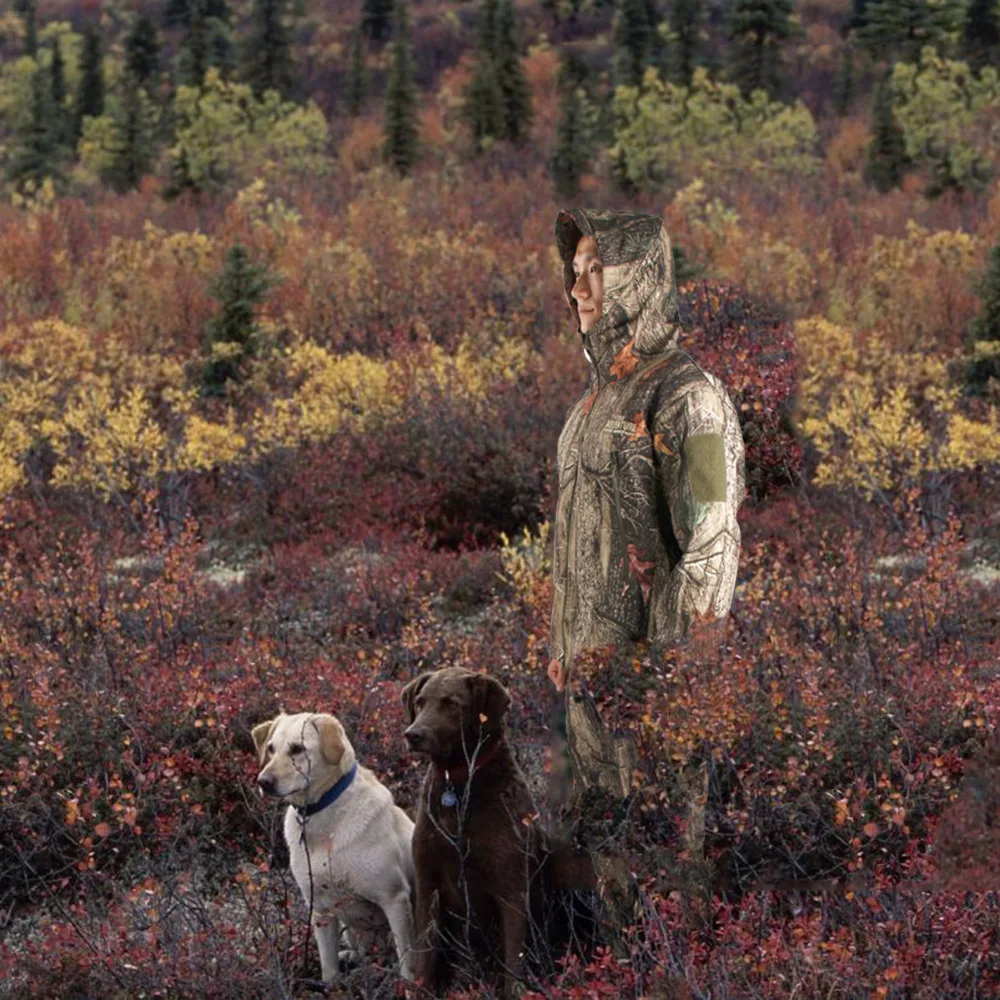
(705, 457)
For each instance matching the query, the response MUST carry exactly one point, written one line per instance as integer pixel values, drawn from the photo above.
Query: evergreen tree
(859, 16)
(267, 57)
(516, 96)
(207, 42)
(178, 12)
(142, 52)
(357, 80)
(400, 145)
(483, 109)
(757, 31)
(61, 123)
(986, 326)
(241, 288)
(135, 129)
(981, 34)
(685, 17)
(36, 151)
(845, 84)
(658, 55)
(26, 8)
(887, 160)
(497, 101)
(633, 42)
(377, 19)
(573, 135)
(90, 96)
(897, 30)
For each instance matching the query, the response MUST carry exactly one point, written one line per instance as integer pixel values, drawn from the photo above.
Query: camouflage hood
(640, 293)
(650, 459)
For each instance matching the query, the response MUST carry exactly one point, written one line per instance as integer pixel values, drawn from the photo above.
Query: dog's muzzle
(416, 738)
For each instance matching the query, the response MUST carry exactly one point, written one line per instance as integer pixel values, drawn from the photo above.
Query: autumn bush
(376, 499)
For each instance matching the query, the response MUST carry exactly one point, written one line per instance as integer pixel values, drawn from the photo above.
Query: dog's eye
(270, 749)
(294, 748)
(448, 702)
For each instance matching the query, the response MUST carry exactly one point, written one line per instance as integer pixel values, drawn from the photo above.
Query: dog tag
(448, 799)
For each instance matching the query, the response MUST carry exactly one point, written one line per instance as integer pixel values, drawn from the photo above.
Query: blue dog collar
(330, 796)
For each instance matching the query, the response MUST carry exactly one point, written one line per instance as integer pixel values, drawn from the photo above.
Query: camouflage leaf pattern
(650, 459)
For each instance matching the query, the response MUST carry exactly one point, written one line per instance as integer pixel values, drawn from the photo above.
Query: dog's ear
(261, 734)
(410, 692)
(332, 738)
(490, 699)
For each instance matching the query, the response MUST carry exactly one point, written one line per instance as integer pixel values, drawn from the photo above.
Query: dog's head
(301, 752)
(452, 711)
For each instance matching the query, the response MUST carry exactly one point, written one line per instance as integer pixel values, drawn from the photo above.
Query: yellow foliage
(207, 445)
(880, 419)
(916, 290)
(526, 561)
(115, 417)
(111, 445)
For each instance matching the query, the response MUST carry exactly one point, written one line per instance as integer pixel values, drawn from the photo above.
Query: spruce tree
(633, 42)
(26, 8)
(90, 96)
(240, 289)
(757, 31)
(377, 19)
(573, 141)
(887, 160)
(897, 30)
(135, 129)
(685, 20)
(845, 83)
(483, 109)
(981, 34)
(61, 124)
(514, 91)
(986, 326)
(658, 55)
(207, 42)
(357, 79)
(400, 145)
(178, 12)
(142, 52)
(267, 56)
(36, 151)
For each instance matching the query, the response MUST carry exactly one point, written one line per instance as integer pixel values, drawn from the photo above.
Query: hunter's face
(589, 287)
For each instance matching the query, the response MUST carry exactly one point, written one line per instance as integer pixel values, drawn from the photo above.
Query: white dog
(348, 842)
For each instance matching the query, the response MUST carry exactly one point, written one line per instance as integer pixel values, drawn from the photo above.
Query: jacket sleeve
(699, 481)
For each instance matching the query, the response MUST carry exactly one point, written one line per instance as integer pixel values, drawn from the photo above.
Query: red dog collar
(462, 772)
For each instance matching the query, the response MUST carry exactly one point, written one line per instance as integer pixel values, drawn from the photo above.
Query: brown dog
(483, 869)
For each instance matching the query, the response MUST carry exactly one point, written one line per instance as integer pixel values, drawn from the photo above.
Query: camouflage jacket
(650, 460)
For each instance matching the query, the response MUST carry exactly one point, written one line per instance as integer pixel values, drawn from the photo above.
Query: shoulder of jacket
(682, 378)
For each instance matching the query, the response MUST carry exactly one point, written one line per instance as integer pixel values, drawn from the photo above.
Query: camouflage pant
(594, 773)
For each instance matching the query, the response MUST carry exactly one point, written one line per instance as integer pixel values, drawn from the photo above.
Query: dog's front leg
(399, 911)
(514, 923)
(426, 941)
(326, 929)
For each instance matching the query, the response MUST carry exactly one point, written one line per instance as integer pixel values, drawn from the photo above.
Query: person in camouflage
(650, 477)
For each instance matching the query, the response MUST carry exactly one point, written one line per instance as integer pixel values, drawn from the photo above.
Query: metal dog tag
(448, 798)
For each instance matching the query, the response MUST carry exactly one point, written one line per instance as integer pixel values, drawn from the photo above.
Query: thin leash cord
(305, 844)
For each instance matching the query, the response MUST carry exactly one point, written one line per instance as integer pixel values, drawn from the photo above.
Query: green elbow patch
(705, 457)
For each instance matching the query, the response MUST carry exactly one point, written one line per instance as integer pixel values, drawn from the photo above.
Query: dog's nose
(266, 783)
(415, 737)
